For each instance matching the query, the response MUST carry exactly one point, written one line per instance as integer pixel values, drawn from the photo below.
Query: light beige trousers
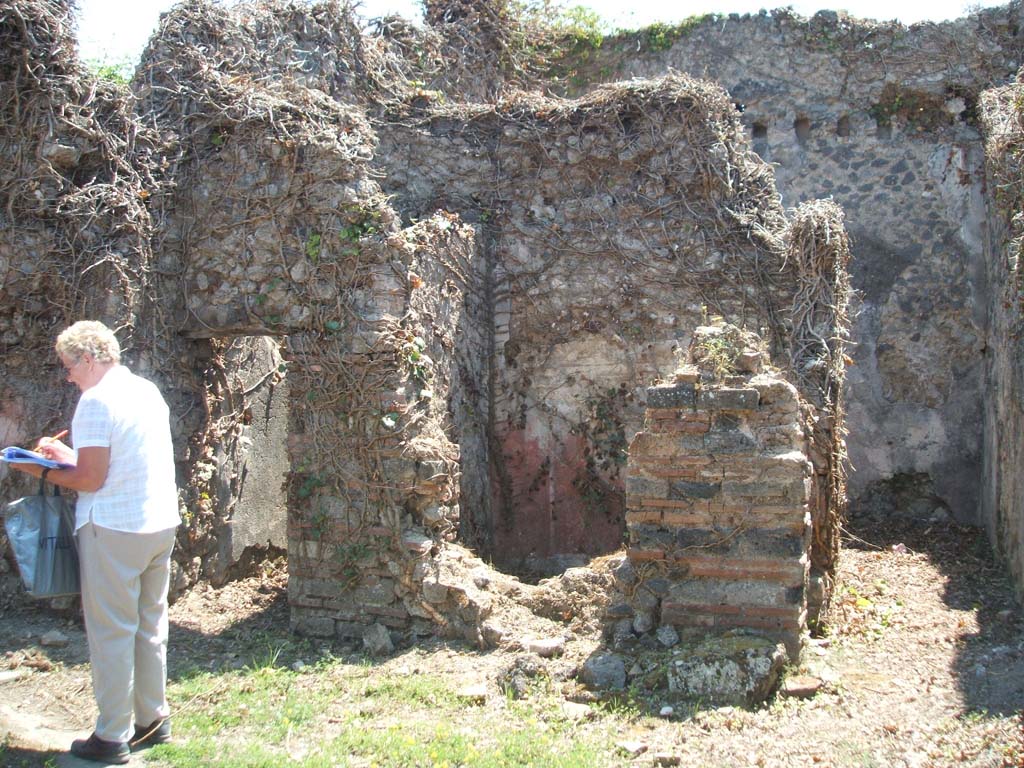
(124, 598)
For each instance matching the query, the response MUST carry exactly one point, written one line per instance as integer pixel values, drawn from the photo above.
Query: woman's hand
(56, 450)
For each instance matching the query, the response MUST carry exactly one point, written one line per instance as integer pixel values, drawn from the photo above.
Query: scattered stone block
(604, 672)
(738, 670)
(632, 748)
(800, 687)
(54, 639)
(546, 647)
(667, 635)
(576, 711)
(377, 640)
(476, 693)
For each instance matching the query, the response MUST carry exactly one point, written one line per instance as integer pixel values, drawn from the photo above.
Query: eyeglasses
(68, 367)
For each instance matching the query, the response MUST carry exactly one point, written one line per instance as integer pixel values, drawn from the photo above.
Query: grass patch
(337, 713)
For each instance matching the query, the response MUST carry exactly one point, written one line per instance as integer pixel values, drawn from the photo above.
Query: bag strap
(42, 488)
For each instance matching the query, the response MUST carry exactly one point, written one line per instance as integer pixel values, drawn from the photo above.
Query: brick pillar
(718, 525)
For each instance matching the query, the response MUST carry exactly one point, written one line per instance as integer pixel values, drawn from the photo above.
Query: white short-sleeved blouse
(128, 415)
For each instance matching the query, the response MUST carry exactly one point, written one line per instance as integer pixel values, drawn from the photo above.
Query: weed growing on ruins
(119, 72)
(660, 36)
(581, 28)
(313, 246)
(366, 224)
(717, 353)
(916, 109)
(309, 485)
(418, 362)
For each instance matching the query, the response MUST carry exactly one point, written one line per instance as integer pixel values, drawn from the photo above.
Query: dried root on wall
(819, 252)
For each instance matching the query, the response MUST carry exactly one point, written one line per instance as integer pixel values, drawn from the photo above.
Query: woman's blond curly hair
(89, 337)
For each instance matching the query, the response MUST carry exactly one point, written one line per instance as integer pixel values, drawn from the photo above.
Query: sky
(117, 30)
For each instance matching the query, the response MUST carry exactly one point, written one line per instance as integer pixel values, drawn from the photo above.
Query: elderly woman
(125, 520)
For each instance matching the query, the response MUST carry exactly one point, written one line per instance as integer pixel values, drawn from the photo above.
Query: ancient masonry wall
(717, 510)
(1003, 487)
(884, 119)
(595, 282)
(366, 521)
(474, 373)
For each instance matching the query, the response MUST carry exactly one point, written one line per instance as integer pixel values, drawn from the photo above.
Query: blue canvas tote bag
(40, 529)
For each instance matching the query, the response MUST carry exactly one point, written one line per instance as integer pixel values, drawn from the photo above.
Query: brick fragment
(644, 555)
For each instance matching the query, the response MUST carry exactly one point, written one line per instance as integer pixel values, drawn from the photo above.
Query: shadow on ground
(989, 663)
(40, 739)
(18, 757)
(261, 638)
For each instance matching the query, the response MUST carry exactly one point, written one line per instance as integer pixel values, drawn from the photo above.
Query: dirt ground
(922, 665)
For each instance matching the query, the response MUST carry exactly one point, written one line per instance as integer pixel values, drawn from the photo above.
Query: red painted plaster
(544, 508)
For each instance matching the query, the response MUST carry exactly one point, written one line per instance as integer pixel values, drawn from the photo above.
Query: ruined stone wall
(565, 230)
(882, 118)
(277, 228)
(475, 373)
(595, 281)
(374, 492)
(75, 233)
(1003, 490)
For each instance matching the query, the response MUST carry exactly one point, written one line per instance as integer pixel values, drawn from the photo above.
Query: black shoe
(158, 732)
(101, 751)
